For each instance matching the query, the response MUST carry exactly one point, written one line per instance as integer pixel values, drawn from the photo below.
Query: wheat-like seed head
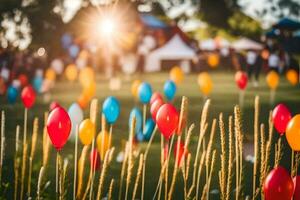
(34, 136)
(230, 159)
(17, 139)
(138, 175)
(81, 164)
(183, 114)
(223, 156)
(111, 186)
(103, 123)
(93, 110)
(40, 181)
(209, 146)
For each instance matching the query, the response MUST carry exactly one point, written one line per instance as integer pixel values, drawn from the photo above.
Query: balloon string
(75, 163)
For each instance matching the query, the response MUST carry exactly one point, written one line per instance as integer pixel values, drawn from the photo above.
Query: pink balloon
(58, 127)
(155, 96)
(167, 120)
(281, 117)
(154, 108)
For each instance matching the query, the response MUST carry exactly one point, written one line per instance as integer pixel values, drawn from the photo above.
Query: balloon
(134, 88)
(95, 159)
(71, 72)
(179, 147)
(53, 105)
(176, 75)
(292, 133)
(140, 136)
(86, 76)
(135, 112)
(73, 50)
(86, 132)
(12, 94)
(170, 90)
(37, 83)
(145, 92)
(278, 185)
(23, 80)
(28, 96)
(154, 108)
(148, 130)
(66, 40)
(155, 96)
(90, 90)
(292, 76)
(58, 127)
(281, 117)
(205, 83)
(213, 60)
(296, 181)
(167, 120)
(241, 79)
(272, 80)
(111, 109)
(103, 147)
(76, 116)
(83, 101)
(57, 65)
(50, 74)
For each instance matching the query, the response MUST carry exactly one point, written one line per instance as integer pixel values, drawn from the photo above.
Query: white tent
(174, 49)
(245, 43)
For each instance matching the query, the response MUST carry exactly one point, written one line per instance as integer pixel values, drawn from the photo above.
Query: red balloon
(28, 96)
(154, 108)
(95, 159)
(281, 117)
(167, 120)
(155, 96)
(58, 127)
(179, 147)
(278, 185)
(53, 105)
(241, 79)
(23, 80)
(296, 181)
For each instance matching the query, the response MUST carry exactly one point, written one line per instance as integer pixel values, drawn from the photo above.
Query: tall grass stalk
(40, 181)
(230, 159)
(138, 175)
(123, 170)
(81, 167)
(222, 176)
(2, 144)
(17, 163)
(75, 162)
(111, 186)
(256, 129)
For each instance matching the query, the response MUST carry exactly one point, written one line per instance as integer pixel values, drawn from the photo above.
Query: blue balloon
(66, 40)
(140, 136)
(37, 83)
(136, 112)
(111, 109)
(148, 130)
(170, 90)
(145, 92)
(12, 94)
(74, 50)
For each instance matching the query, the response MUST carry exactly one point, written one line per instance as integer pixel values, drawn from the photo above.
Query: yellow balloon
(213, 60)
(205, 83)
(90, 90)
(86, 76)
(103, 143)
(50, 74)
(134, 88)
(176, 75)
(272, 80)
(71, 72)
(292, 76)
(86, 131)
(293, 133)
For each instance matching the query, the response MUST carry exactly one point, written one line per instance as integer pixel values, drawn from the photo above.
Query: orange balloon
(213, 60)
(134, 88)
(103, 143)
(83, 101)
(272, 80)
(90, 90)
(205, 83)
(293, 133)
(71, 72)
(50, 74)
(265, 54)
(292, 76)
(176, 75)
(86, 132)
(86, 76)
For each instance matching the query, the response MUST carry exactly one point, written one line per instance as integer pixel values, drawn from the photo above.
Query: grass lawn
(224, 96)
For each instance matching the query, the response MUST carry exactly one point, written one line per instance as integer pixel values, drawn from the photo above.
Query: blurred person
(253, 66)
(273, 62)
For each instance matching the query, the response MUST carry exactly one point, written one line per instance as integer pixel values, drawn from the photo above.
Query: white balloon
(76, 116)
(57, 65)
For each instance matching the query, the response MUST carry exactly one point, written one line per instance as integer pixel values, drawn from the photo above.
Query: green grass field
(223, 98)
